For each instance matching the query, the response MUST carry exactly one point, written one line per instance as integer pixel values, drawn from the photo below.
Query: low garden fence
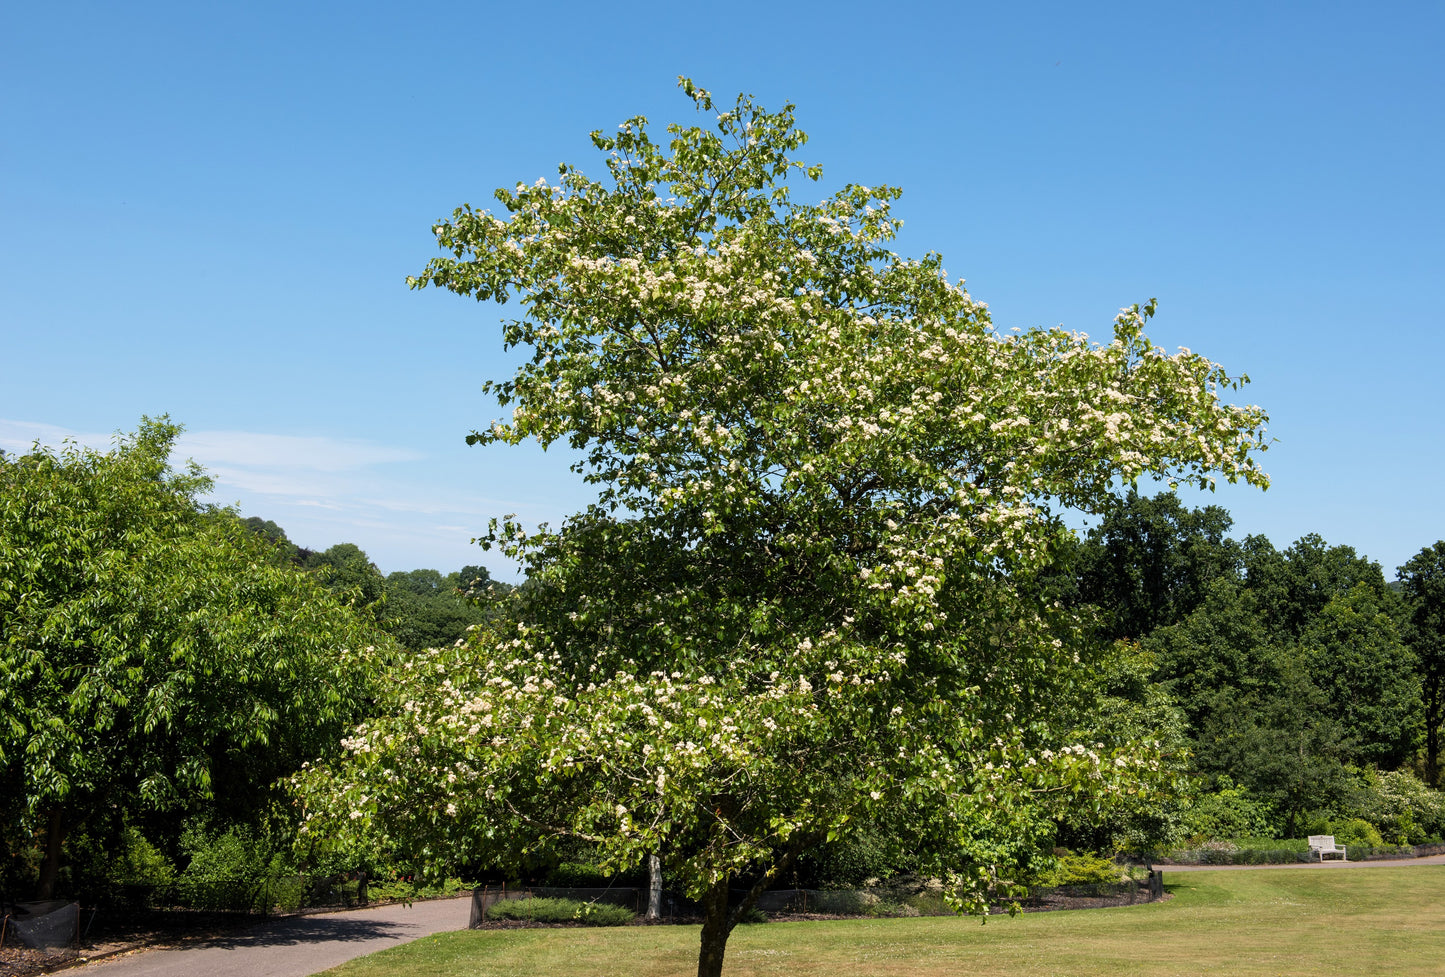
(285, 893)
(877, 901)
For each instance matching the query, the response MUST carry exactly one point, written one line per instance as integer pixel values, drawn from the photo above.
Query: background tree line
(421, 608)
(1298, 675)
(163, 664)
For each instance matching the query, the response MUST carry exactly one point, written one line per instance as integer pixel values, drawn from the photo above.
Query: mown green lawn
(1267, 922)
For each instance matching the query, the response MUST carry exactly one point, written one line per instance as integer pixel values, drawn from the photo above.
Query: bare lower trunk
(1433, 703)
(654, 886)
(50, 868)
(1432, 755)
(715, 930)
(718, 923)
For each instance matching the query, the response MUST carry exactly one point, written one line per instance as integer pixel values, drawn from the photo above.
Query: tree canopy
(153, 656)
(1292, 667)
(1423, 582)
(1150, 561)
(804, 600)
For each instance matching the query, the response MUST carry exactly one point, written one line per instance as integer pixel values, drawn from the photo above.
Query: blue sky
(210, 210)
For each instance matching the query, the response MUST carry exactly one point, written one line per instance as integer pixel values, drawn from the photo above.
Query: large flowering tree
(807, 597)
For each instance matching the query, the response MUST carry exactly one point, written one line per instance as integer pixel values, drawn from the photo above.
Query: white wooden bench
(1323, 845)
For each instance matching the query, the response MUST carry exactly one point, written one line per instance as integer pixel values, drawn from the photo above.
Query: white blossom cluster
(771, 402)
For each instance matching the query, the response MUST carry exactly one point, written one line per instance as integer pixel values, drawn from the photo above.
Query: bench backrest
(1322, 841)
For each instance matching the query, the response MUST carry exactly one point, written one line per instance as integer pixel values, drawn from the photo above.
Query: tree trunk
(1432, 755)
(50, 868)
(654, 886)
(715, 930)
(1433, 704)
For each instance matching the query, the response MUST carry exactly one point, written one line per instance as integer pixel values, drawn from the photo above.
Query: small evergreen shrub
(1084, 869)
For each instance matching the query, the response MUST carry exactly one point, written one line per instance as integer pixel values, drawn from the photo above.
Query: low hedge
(545, 910)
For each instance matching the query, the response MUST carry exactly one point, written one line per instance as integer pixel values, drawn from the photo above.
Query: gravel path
(296, 946)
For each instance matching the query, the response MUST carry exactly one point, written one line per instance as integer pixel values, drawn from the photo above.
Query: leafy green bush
(561, 911)
(1266, 843)
(753, 915)
(114, 868)
(399, 888)
(231, 855)
(1229, 812)
(1357, 831)
(237, 869)
(1406, 811)
(1086, 869)
(140, 863)
(286, 893)
(843, 902)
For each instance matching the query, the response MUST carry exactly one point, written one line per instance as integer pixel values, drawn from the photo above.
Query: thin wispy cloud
(270, 452)
(17, 437)
(324, 490)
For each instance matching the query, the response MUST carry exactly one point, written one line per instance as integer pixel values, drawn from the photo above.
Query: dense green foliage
(1298, 674)
(419, 608)
(1423, 582)
(153, 658)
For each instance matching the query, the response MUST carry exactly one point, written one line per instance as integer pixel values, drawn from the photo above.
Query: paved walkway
(294, 946)
(1331, 863)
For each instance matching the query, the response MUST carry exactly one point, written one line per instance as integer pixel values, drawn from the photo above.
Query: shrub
(542, 910)
(586, 875)
(1273, 844)
(395, 887)
(140, 862)
(232, 855)
(115, 868)
(237, 869)
(753, 915)
(577, 875)
(1086, 869)
(843, 902)
(1229, 812)
(1357, 831)
(1406, 811)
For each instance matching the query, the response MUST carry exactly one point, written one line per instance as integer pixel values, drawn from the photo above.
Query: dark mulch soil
(116, 931)
(1054, 902)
